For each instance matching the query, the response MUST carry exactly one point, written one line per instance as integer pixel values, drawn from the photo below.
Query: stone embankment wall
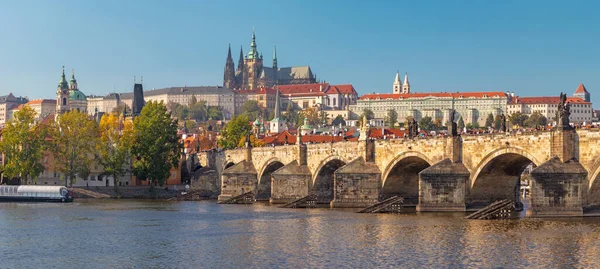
(135, 192)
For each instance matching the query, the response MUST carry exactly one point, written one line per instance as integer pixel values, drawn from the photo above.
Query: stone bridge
(434, 174)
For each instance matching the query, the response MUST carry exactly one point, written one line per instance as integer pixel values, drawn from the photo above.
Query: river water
(150, 234)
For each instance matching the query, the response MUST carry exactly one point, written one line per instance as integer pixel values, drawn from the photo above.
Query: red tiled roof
(345, 88)
(581, 89)
(303, 89)
(379, 134)
(433, 94)
(546, 100)
(40, 101)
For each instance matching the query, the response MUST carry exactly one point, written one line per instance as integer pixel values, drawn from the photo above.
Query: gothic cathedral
(251, 74)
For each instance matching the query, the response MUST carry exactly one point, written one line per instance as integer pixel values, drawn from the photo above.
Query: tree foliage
(198, 111)
(489, 122)
(497, 122)
(233, 131)
(74, 138)
(254, 142)
(252, 110)
(517, 118)
(426, 124)
(392, 118)
(114, 148)
(536, 120)
(215, 113)
(23, 144)
(157, 148)
(313, 116)
(460, 124)
(338, 120)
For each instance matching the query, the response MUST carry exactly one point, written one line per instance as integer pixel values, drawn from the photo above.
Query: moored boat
(34, 193)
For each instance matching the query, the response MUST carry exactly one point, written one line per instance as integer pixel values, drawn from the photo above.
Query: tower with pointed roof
(77, 100)
(405, 85)
(229, 74)
(582, 93)
(253, 64)
(62, 94)
(397, 86)
(277, 123)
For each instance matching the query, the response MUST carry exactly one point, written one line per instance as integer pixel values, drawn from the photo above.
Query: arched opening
(593, 197)
(323, 182)
(229, 164)
(500, 178)
(264, 182)
(403, 180)
(64, 101)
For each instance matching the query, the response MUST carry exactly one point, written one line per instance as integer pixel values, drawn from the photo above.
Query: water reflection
(127, 234)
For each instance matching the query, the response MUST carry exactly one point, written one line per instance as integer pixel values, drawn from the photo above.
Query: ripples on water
(142, 234)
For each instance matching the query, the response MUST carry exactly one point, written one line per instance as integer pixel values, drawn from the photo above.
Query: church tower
(406, 85)
(275, 65)
(582, 93)
(62, 94)
(229, 73)
(254, 64)
(397, 84)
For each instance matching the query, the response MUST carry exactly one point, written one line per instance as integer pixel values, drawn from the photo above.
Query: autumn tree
(236, 129)
(254, 142)
(312, 114)
(114, 148)
(74, 137)
(392, 118)
(23, 144)
(156, 148)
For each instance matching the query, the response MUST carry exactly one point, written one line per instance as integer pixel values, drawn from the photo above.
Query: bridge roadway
(434, 173)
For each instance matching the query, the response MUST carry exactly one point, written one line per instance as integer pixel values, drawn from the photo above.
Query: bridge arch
(401, 176)
(594, 184)
(264, 178)
(498, 175)
(323, 178)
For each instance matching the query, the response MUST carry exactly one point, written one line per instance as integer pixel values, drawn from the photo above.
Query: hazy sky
(530, 47)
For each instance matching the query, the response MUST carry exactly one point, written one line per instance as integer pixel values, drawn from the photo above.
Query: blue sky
(530, 47)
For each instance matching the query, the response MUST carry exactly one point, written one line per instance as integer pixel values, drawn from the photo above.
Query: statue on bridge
(413, 128)
(452, 126)
(502, 123)
(562, 113)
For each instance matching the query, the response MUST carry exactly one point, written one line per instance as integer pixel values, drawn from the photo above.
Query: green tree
(113, 151)
(497, 122)
(517, 118)
(368, 113)
(536, 120)
(23, 144)
(338, 120)
(198, 111)
(426, 124)
(252, 109)
(157, 148)
(193, 100)
(489, 122)
(313, 116)
(74, 138)
(392, 118)
(236, 129)
(215, 113)
(460, 124)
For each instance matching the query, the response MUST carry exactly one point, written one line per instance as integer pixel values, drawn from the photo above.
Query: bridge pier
(356, 184)
(443, 187)
(289, 183)
(237, 180)
(557, 189)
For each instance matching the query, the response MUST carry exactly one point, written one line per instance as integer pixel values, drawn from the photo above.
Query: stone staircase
(390, 205)
(246, 198)
(83, 193)
(501, 209)
(309, 201)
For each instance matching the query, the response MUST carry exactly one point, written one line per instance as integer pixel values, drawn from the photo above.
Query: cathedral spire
(241, 60)
(253, 54)
(274, 57)
(229, 73)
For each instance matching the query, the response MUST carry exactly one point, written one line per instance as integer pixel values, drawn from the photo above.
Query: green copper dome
(256, 123)
(77, 95)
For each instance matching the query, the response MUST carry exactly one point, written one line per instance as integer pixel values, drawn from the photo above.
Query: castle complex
(252, 74)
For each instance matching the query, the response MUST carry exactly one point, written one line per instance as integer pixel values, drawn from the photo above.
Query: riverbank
(125, 192)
